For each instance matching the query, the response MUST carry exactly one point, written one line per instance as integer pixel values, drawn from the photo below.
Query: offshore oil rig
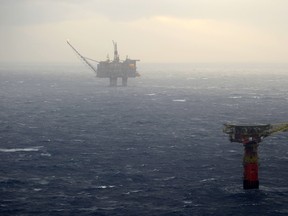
(250, 136)
(112, 69)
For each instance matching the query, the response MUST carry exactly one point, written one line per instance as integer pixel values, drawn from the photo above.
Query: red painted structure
(250, 164)
(250, 136)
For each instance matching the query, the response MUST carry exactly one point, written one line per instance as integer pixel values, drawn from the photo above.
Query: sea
(71, 145)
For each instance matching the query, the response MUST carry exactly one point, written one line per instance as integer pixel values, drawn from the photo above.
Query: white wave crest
(37, 148)
(179, 100)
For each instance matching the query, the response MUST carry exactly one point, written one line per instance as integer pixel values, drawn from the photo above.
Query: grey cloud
(23, 12)
(26, 12)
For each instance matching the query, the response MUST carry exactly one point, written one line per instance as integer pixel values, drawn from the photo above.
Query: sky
(154, 31)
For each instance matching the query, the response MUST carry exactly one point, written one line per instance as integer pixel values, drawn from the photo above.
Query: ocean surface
(71, 145)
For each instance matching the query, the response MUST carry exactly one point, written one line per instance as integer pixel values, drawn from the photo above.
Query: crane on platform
(111, 69)
(85, 59)
(250, 136)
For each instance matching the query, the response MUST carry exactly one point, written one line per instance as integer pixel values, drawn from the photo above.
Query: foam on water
(179, 100)
(30, 149)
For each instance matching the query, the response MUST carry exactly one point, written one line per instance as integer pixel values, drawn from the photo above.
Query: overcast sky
(187, 31)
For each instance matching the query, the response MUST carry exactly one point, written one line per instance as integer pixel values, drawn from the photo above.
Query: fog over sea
(71, 145)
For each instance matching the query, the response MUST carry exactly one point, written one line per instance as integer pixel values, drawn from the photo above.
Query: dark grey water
(70, 145)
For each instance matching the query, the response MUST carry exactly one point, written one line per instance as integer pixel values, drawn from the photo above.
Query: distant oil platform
(112, 69)
(250, 136)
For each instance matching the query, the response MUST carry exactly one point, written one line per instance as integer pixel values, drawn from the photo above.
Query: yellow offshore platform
(112, 69)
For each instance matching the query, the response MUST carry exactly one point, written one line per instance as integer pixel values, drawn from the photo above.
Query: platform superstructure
(112, 69)
(250, 136)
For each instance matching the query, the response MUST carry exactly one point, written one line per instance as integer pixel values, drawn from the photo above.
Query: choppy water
(70, 145)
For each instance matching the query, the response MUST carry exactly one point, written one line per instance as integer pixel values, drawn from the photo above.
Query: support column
(113, 81)
(124, 81)
(250, 165)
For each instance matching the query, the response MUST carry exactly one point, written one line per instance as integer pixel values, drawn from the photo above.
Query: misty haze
(70, 144)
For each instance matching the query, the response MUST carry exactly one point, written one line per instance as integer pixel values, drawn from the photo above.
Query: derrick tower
(112, 69)
(250, 136)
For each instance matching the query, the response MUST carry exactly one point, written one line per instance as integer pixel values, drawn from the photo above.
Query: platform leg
(250, 165)
(124, 81)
